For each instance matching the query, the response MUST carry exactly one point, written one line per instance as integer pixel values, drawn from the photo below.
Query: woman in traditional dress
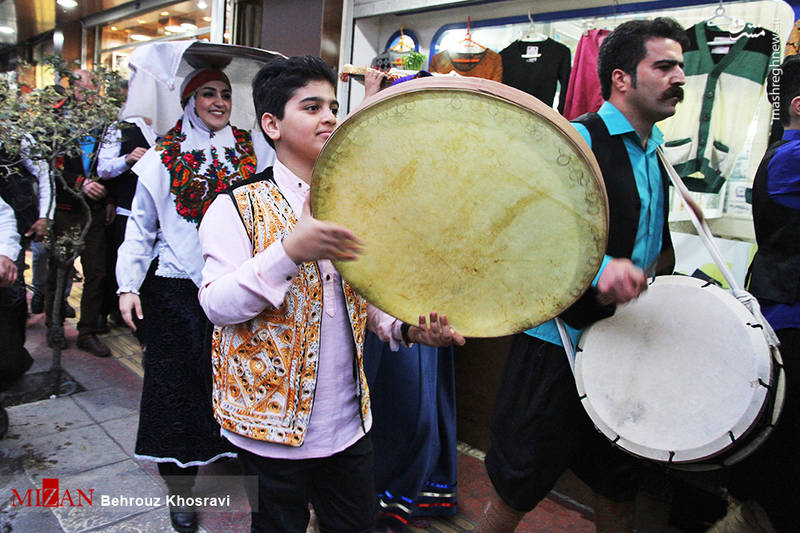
(178, 179)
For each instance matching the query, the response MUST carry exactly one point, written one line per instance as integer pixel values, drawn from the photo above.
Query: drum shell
(682, 376)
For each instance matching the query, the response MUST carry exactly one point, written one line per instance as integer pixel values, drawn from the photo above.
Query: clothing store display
(538, 76)
(489, 64)
(583, 90)
(793, 42)
(723, 92)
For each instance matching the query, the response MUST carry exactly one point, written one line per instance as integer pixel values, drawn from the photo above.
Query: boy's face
(309, 118)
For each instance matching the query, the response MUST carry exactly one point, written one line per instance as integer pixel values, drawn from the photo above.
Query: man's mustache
(673, 92)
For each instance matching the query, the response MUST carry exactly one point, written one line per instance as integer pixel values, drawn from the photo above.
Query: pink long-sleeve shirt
(237, 286)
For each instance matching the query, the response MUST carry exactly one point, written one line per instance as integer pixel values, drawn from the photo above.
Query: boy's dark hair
(783, 85)
(279, 78)
(624, 48)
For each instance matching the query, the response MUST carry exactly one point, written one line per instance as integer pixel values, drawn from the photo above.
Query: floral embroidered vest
(265, 369)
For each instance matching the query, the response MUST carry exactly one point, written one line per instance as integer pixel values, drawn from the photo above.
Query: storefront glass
(190, 19)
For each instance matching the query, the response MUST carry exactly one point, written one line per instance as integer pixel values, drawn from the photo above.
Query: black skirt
(176, 422)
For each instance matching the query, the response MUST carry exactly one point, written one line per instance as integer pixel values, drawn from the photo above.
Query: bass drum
(683, 375)
(474, 199)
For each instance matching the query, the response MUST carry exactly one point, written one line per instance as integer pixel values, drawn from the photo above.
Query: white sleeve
(110, 163)
(41, 170)
(136, 252)
(9, 238)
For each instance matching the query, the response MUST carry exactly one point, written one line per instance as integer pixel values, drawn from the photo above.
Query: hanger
(531, 34)
(468, 46)
(719, 19)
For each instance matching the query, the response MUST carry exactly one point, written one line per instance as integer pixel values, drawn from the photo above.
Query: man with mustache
(539, 428)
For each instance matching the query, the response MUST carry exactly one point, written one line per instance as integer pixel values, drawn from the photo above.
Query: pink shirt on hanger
(583, 93)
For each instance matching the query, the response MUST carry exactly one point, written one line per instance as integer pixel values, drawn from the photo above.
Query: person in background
(770, 475)
(539, 427)
(177, 180)
(79, 173)
(9, 324)
(122, 148)
(413, 397)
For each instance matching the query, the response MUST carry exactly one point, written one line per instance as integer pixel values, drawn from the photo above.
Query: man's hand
(93, 190)
(111, 214)
(128, 303)
(620, 282)
(439, 334)
(8, 271)
(38, 230)
(374, 81)
(134, 156)
(312, 240)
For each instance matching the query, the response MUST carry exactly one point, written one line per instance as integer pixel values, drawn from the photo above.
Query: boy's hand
(439, 334)
(312, 240)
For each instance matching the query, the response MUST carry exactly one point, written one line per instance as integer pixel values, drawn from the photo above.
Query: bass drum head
(680, 375)
(474, 200)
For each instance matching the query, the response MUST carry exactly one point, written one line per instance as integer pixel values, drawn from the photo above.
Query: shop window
(183, 20)
(568, 27)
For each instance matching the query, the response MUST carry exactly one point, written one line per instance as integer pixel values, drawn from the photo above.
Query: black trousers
(93, 263)
(14, 358)
(340, 487)
(539, 429)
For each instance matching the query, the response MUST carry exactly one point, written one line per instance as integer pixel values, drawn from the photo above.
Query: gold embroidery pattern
(265, 369)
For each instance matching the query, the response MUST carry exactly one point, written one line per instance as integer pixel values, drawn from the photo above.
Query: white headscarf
(211, 152)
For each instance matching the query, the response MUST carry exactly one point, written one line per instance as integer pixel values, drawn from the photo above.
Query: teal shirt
(647, 246)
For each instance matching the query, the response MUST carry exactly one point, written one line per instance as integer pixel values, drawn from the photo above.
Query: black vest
(775, 271)
(624, 205)
(123, 186)
(17, 190)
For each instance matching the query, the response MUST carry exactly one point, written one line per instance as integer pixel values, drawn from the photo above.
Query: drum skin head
(679, 375)
(474, 200)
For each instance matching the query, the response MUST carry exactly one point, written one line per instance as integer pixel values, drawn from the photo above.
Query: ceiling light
(201, 5)
(140, 21)
(188, 26)
(173, 28)
(113, 28)
(207, 19)
(139, 37)
(6, 29)
(68, 4)
(164, 13)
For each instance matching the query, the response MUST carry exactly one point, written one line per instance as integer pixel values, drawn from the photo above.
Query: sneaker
(37, 304)
(69, 311)
(90, 343)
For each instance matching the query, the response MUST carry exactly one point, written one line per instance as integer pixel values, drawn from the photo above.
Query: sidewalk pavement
(85, 441)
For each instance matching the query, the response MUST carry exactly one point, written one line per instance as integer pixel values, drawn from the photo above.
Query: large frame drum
(474, 199)
(683, 375)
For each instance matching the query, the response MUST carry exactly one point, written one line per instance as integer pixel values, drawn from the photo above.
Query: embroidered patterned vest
(265, 369)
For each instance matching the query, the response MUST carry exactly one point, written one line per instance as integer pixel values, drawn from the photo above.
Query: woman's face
(212, 103)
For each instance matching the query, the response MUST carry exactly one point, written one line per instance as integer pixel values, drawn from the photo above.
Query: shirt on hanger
(723, 93)
(538, 76)
(489, 64)
(583, 91)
